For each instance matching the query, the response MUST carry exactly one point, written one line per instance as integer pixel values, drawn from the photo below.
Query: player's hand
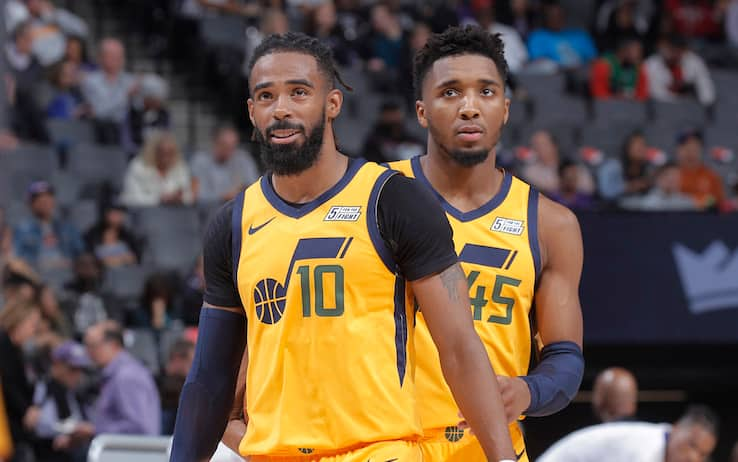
(515, 396)
(62, 443)
(31, 417)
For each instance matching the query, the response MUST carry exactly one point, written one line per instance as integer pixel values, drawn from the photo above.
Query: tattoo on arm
(450, 278)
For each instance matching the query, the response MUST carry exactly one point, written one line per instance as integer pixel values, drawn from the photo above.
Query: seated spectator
(272, 21)
(67, 101)
(62, 410)
(50, 26)
(693, 437)
(516, 53)
(323, 24)
(636, 167)
(615, 395)
(129, 401)
(675, 72)
(566, 47)
(44, 240)
(171, 382)
(76, 53)
(696, 19)
(568, 194)
(521, 15)
(18, 56)
(619, 18)
(665, 196)
(18, 323)
(389, 140)
(620, 74)
(84, 299)
(19, 282)
(112, 242)
(418, 38)
(108, 91)
(54, 322)
(192, 294)
(157, 303)
(149, 109)
(224, 171)
(543, 171)
(697, 180)
(384, 48)
(158, 175)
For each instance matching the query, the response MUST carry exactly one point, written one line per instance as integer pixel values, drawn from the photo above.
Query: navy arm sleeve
(220, 289)
(415, 228)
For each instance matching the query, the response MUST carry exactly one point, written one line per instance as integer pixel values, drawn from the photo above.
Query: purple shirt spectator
(129, 401)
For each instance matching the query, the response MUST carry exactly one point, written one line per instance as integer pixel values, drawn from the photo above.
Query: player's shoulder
(555, 217)
(220, 223)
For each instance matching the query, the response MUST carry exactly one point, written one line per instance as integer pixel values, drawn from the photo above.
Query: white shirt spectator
(109, 98)
(612, 442)
(516, 53)
(694, 71)
(218, 179)
(144, 185)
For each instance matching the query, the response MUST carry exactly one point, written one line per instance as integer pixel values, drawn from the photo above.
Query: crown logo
(709, 279)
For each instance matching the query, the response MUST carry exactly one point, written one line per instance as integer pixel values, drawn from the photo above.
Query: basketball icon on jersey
(270, 296)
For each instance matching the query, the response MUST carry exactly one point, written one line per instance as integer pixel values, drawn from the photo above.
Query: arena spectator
(665, 196)
(615, 395)
(618, 18)
(76, 53)
(19, 281)
(418, 37)
(389, 140)
(67, 101)
(50, 26)
(272, 21)
(111, 240)
(323, 24)
(697, 180)
(521, 15)
(129, 401)
(54, 321)
(108, 91)
(692, 437)
(620, 74)
(696, 19)
(568, 193)
(18, 323)
(192, 294)
(44, 240)
(384, 48)
(731, 23)
(171, 382)
(86, 304)
(543, 171)
(224, 171)
(636, 167)
(158, 175)
(567, 48)
(148, 109)
(675, 72)
(62, 410)
(18, 56)
(157, 303)
(516, 53)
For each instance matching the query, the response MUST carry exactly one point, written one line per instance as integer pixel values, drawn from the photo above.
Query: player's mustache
(283, 125)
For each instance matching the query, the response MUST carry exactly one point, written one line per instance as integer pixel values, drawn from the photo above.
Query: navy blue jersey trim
(298, 212)
(236, 231)
(493, 203)
(373, 225)
(400, 328)
(533, 230)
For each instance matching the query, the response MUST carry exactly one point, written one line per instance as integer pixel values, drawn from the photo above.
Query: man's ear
(420, 113)
(334, 102)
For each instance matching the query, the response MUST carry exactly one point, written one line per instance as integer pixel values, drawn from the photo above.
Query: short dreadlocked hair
(469, 40)
(300, 43)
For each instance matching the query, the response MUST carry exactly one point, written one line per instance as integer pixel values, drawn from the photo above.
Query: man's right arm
(236, 428)
(207, 395)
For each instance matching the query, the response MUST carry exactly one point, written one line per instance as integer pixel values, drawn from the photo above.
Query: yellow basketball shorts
(385, 451)
(452, 444)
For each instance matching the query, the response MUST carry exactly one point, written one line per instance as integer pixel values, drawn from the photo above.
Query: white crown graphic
(710, 279)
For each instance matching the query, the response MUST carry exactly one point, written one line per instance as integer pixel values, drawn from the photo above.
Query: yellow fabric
(327, 374)
(455, 445)
(396, 451)
(501, 290)
(6, 442)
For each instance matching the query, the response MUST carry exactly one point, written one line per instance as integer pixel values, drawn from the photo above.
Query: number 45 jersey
(330, 323)
(498, 251)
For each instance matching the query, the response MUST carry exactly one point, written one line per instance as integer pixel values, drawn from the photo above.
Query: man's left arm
(554, 382)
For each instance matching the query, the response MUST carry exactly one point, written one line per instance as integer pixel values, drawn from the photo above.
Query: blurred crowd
(617, 105)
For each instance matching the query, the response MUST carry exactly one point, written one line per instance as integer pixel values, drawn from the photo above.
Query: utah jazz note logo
(270, 296)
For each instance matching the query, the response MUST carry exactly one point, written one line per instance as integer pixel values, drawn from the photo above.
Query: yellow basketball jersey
(330, 337)
(498, 250)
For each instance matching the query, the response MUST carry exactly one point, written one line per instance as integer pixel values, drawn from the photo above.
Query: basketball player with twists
(312, 267)
(521, 252)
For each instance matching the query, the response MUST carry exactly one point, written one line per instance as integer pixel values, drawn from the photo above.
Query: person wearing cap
(63, 414)
(43, 240)
(698, 180)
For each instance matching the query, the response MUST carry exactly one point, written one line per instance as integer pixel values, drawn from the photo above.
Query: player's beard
(291, 159)
(466, 157)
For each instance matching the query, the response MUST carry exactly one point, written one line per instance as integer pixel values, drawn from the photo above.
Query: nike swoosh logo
(518, 456)
(253, 229)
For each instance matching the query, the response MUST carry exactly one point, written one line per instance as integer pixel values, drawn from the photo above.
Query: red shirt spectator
(621, 74)
(695, 18)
